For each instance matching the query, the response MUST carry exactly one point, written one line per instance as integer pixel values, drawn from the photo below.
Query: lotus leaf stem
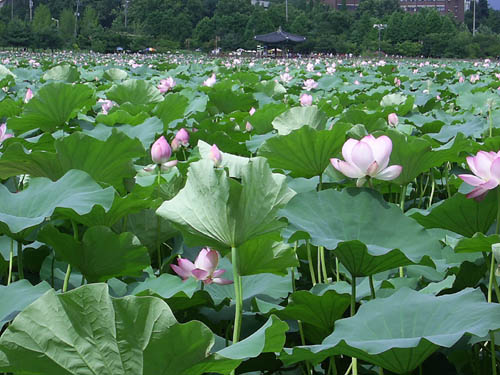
(20, 260)
(354, 362)
(11, 260)
(310, 261)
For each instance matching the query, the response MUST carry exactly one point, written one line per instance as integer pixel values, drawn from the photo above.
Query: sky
(495, 4)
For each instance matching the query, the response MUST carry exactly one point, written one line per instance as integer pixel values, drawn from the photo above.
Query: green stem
(490, 284)
(68, 270)
(372, 288)
(66, 279)
(159, 175)
(238, 315)
(323, 264)
(320, 185)
(447, 177)
(402, 206)
(492, 276)
(433, 188)
(11, 261)
(301, 329)
(319, 265)
(337, 268)
(403, 196)
(490, 119)
(158, 244)
(20, 270)
(310, 261)
(353, 311)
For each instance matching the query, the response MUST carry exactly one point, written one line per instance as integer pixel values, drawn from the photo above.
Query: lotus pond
(181, 215)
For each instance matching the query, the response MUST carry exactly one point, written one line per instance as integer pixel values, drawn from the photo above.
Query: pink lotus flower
(203, 269)
(285, 77)
(106, 105)
(3, 133)
(160, 153)
(28, 96)
(397, 81)
(181, 139)
(252, 111)
(166, 84)
(248, 127)
(486, 169)
(215, 155)
(367, 157)
(461, 79)
(474, 78)
(392, 119)
(306, 100)
(210, 81)
(310, 84)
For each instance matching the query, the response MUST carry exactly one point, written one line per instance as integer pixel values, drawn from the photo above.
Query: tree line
(103, 25)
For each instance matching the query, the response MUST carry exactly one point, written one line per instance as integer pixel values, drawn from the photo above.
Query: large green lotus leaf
(16, 296)
(478, 243)
(115, 74)
(297, 117)
(172, 108)
(268, 339)
(359, 225)
(263, 118)
(76, 190)
(399, 332)
(52, 106)
(86, 332)
(267, 284)
(101, 255)
(227, 101)
(150, 228)
(108, 161)
(416, 155)
(65, 72)
(134, 91)
(166, 286)
(305, 152)
(122, 206)
(9, 108)
(270, 88)
(215, 209)
(317, 309)
(477, 101)
(266, 254)
(460, 214)
(4, 72)
(145, 132)
(122, 117)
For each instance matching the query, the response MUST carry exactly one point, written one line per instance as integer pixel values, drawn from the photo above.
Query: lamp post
(77, 14)
(126, 13)
(31, 10)
(286, 10)
(380, 27)
(474, 20)
(57, 22)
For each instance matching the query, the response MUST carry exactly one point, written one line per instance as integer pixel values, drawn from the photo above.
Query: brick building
(455, 7)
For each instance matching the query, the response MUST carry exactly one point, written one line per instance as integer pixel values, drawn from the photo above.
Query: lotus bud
(393, 120)
(29, 95)
(215, 155)
(160, 151)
